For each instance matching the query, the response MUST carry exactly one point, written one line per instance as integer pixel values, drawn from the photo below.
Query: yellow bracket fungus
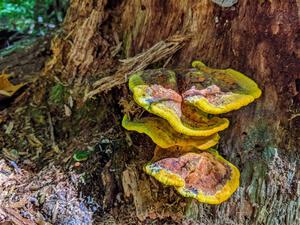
(182, 102)
(205, 176)
(157, 92)
(217, 91)
(161, 133)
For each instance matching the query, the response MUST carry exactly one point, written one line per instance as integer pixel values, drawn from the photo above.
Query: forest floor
(66, 164)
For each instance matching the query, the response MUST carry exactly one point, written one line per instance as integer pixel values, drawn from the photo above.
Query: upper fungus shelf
(217, 91)
(157, 92)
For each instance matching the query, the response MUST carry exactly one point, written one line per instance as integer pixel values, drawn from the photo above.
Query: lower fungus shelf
(205, 176)
(161, 132)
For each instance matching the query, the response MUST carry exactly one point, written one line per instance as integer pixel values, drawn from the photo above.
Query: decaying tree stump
(259, 38)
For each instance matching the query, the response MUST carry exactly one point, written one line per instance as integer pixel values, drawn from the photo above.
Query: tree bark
(259, 38)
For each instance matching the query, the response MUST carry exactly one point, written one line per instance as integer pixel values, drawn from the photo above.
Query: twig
(294, 116)
(51, 129)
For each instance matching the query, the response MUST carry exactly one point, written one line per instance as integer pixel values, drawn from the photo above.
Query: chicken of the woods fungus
(181, 119)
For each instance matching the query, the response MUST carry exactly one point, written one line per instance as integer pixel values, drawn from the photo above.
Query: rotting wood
(259, 39)
(25, 57)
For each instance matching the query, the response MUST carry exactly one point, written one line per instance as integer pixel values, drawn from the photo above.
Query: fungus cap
(161, 133)
(157, 92)
(217, 91)
(205, 176)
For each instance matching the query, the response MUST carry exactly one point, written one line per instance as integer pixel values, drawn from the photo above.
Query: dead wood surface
(258, 38)
(26, 56)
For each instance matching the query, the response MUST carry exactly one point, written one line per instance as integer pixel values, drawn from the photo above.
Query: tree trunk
(259, 38)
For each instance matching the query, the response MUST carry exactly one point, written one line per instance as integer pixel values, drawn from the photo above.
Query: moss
(18, 46)
(139, 22)
(127, 46)
(57, 94)
(92, 113)
(255, 176)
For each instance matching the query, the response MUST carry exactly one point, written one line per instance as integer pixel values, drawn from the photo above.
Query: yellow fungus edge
(171, 179)
(240, 100)
(137, 87)
(162, 134)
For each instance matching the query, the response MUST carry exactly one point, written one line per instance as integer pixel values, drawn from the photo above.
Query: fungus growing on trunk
(205, 176)
(157, 92)
(217, 91)
(162, 134)
(182, 102)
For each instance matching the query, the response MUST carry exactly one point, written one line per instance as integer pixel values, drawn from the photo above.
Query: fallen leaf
(7, 89)
(81, 156)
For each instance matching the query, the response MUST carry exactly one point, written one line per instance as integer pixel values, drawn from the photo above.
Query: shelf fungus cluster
(182, 105)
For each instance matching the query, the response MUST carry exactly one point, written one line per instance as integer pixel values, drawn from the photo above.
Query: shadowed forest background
(64, 156)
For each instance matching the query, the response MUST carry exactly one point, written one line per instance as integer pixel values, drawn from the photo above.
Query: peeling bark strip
(161, 50)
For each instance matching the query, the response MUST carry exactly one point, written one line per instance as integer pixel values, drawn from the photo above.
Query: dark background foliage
(20, 18)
